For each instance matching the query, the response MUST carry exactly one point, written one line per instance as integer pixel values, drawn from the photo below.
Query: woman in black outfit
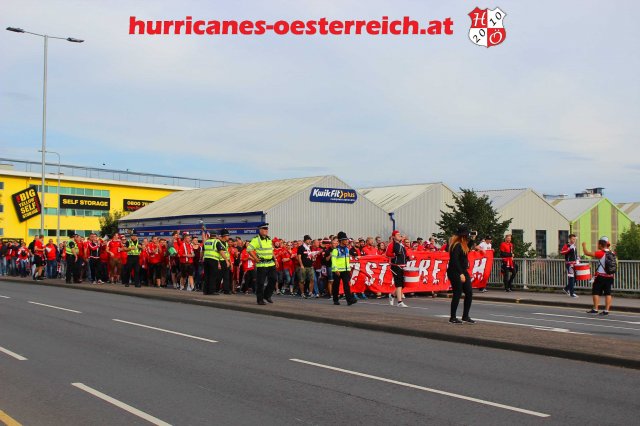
(458, 273)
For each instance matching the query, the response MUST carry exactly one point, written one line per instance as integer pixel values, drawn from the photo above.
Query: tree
(628, 247)
(479, 215)
(109, 223)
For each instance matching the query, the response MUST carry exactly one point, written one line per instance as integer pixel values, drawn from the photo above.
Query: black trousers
(133, 265)
(268, 274)
(458, 288)
(345, 278)
(223, 277)
(72, 269)
(94, 264)
(210, 276)
(508, 274)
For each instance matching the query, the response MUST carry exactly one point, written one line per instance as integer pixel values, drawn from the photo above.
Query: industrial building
(632, 210)
(591, 216)
(534, 220)
(85, 195)
(415, 208)
(318, 206)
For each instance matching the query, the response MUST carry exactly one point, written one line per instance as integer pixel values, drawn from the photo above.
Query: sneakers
(483, 290)
(402, 305)
(592, 311)
(391, 300)
(575, 296)
(455, 321)
(566, 292)
(604, 313)
(468, 320)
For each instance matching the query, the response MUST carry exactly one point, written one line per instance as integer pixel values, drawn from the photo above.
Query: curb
(524, 301)
(428, 334)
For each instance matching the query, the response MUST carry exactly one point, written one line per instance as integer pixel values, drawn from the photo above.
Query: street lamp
(44, 106)
(58, 192)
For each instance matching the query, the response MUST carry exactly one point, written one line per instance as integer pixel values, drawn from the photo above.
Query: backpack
(610, 263)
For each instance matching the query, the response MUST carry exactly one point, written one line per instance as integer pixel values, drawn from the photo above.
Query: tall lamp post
(44, 106)
(58, 192)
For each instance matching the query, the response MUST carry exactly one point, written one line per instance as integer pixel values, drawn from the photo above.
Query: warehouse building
(318, 206)
(591, 216)
(534, 220)
(85, 195)
(414, 208)
(632, 210)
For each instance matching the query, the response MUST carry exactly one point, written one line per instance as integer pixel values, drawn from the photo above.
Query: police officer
(341, 267)
(210, 264)
(132, 247)
(261, 251)
(221, 255)
(71, 251)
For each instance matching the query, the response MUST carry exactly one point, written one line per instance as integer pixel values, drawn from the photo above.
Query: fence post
(524, 273)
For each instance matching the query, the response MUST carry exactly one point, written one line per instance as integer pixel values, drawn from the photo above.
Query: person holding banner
(484, 246)
(397, 254)
(458, 274)
(340, 264)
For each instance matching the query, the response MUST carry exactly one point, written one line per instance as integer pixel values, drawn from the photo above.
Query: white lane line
(55, 307)
(537, 327)
(567, 322)
(166, 331)
(422, 388)
(599, 318)
(4, 297)
(12, 354)
(120, 404)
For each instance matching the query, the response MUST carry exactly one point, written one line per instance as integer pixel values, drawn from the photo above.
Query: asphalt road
(227, 367)
(554, 319)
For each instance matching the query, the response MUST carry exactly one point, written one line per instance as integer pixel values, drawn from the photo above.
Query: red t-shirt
(114, 246)
(154, 258)
(369, 251)
(38, 248)
(104, 256)
(183, 250)
(247, 262)
(51, 251)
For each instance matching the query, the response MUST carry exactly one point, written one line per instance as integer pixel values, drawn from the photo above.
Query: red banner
(425, 273)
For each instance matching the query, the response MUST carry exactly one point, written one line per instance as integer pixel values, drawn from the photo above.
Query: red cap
(394, 233)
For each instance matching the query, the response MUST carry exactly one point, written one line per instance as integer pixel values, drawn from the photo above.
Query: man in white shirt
(485, 245)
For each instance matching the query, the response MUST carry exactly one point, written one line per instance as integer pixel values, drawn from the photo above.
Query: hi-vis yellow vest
(340, 262)
(264, 250)
(210, 248)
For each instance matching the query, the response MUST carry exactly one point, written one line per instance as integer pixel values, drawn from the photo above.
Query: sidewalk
(570, 346)
(558, 298)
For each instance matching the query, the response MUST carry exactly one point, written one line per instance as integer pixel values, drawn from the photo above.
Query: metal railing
(551, 273)
(111, 174)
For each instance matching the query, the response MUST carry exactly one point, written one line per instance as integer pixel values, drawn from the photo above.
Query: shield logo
(487, 27)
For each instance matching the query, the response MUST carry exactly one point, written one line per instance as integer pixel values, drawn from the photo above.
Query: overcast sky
(555, 107)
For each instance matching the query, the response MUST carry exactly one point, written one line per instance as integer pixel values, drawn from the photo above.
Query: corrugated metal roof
(500, 198)
(242, 198)
(390, 198)
(632, 210)
(573, 208)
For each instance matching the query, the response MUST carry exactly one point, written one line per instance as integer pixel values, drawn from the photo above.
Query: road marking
(120, 404)
(599, 318)
(387, 304)
(8, 420)
(55, 307)
(12, 354)
(422, 388)
(4, 297)
(567, 322)
(537, 327)
(166, 331)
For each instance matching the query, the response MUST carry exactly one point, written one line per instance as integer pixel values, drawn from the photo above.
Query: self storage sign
(27, 203)
(333, 195)
(84, 203)
(133, 205)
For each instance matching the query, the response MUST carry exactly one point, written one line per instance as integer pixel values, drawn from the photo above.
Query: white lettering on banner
(423, 270)
(436, 270)
(478, 269)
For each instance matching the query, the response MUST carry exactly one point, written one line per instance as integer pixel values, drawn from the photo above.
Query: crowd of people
(306, 268)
